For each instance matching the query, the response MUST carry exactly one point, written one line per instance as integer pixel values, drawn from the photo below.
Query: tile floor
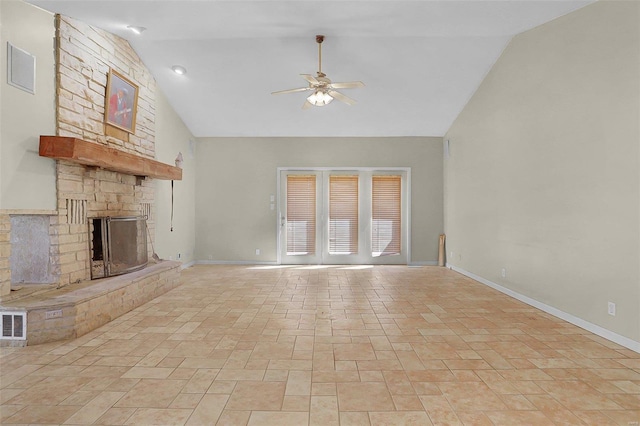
(386, 345)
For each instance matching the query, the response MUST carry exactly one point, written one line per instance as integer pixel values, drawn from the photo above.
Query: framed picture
(121, 102)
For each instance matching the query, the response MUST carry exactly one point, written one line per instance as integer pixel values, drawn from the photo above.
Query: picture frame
(121, 102)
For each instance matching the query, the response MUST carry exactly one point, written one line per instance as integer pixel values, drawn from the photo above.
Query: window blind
(386, 215)
(343, 214)
(301, 215)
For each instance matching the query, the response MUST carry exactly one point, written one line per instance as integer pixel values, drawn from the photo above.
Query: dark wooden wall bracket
(95, 155)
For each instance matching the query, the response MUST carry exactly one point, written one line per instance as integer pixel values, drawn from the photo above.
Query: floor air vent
(13, 325)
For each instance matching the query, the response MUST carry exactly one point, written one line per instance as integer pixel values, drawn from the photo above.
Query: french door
(341, 216)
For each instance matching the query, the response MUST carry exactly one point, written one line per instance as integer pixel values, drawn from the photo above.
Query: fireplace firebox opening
(118, 245)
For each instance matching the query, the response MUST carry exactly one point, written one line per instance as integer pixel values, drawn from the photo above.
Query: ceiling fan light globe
(320, 98)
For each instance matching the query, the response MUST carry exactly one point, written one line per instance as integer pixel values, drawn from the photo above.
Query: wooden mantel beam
(96, 155)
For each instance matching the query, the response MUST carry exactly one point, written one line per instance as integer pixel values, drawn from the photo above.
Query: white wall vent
(21, 69)
(13, 325)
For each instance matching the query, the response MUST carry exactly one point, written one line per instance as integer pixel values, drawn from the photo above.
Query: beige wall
(236, 176)
(172, 136)
(27, 181)
(543, 177)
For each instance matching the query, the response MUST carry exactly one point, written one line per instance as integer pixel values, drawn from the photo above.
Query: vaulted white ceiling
(421, 61)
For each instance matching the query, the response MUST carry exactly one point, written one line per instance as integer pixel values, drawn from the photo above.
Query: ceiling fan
(323, 89)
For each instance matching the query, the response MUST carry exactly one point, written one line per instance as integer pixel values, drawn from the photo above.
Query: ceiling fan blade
(347, 85)
(339, 96)
(311, 79)
(282, 92)
(307, 105)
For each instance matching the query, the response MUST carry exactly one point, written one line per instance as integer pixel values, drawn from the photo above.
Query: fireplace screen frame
(102, 254)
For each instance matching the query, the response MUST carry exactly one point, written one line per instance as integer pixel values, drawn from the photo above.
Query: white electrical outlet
(257, 252)
(611, 309)
(504, 273)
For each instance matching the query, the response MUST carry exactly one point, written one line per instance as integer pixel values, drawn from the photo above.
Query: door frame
(372, 170)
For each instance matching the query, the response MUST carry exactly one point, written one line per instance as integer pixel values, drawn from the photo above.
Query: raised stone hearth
(76, 309)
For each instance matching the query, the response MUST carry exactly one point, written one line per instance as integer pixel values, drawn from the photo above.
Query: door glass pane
(301, 215)
(385, 215)
(343, 214)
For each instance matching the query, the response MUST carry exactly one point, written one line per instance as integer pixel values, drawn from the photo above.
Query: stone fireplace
(83, 57)
(112, 201)
(66, 303)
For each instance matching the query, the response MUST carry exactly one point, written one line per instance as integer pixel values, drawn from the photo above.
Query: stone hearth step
(71, 311)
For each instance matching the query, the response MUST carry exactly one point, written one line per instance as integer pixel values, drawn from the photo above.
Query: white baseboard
(233, 262)
(247, 262)
(593, 328)
(424, 263)
(187, 265)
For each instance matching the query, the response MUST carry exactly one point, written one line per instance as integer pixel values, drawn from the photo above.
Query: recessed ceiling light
(136, 30)
(178, 69)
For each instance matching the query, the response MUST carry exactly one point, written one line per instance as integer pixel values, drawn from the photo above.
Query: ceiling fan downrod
(319, 40)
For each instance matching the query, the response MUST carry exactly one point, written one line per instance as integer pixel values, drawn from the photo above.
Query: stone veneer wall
(85, 55)
(5, 251)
